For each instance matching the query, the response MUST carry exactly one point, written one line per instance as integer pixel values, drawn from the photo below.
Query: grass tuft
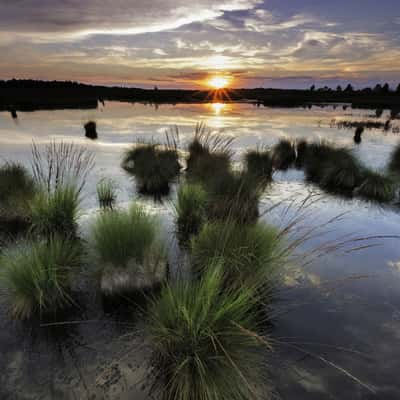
(122, 235)
(106, 193)
(56, 212)
(259, 164)
(234, 196)
(191, 210)
(208, 154)
(205, 341)
(36, 276)
(154, 167)
(248, 254)
(394, 162)
(283, 155)
(130, 254)
(17, 188)
(301, 150)
(377, 187)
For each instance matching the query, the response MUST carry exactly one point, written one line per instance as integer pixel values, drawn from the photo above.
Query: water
(344, 309)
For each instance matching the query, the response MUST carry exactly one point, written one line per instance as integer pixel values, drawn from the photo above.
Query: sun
(219, 82)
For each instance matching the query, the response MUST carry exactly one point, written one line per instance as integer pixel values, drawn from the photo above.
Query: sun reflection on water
(218, 108)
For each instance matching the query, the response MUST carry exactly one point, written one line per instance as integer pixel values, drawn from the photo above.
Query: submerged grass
(36, 276)
(56, 212)
(249, 255)
(206, 343)
(191, 208)
(106, 193)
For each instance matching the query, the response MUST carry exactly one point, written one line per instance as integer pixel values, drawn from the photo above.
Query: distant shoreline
(29, 95)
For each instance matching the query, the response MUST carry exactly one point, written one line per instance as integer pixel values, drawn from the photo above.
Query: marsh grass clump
(234, 196)
(153, 166)
(56, 212)
(320, 156)
(394, 162)
(283, 155)
(191, 210)
(249, 255)
(209, 153)
(341, 173)
(301, 153)
(128, 250)
(377, 187)
(36, 276)
(15, 182)
(259, 164)
(17, 188)
(206, 341)
(106, 193)
(91, 130)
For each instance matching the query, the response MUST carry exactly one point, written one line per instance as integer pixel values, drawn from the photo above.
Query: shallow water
(343, 309)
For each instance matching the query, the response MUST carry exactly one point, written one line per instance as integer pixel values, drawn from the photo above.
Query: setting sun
(219, 82)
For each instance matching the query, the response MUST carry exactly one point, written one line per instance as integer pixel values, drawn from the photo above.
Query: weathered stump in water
(91, 130)
(13, 112)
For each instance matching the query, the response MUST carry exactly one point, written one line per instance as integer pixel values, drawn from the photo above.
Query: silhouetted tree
(339, 88)
(398, 88)
(386, 88)
(378, 88)
(312, 88)
(349, 88)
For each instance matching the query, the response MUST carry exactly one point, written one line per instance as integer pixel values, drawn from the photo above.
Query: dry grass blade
(61, 164)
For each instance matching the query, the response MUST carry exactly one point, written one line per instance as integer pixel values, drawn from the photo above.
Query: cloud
(76, 18)
(259, 42)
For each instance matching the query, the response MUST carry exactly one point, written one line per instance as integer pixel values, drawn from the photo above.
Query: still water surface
(343, 309)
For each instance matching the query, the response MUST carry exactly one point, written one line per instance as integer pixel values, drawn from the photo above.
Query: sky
(182, 43)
